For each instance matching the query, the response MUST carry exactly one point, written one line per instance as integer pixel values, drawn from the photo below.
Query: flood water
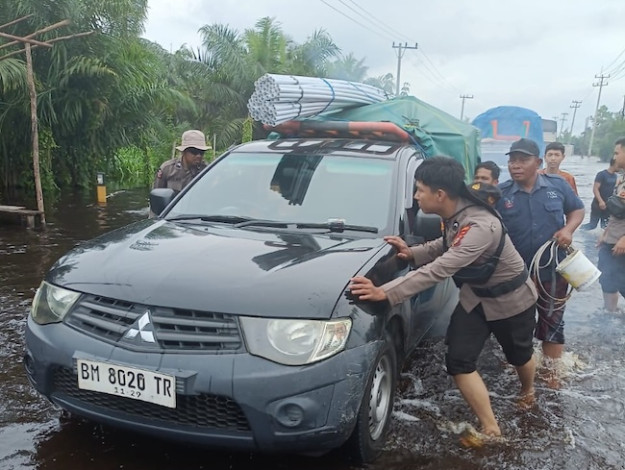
(579, 426)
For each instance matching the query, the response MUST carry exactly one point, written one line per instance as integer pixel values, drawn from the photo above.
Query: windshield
(295, 188)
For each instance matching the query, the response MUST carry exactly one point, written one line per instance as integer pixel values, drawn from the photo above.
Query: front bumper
(231, 401)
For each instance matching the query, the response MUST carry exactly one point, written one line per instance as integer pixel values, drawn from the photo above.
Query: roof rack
(387, 131)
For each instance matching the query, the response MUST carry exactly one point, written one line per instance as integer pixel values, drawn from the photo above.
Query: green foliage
(248, 128)
(610, 127)
(129, 166)
(114, 102)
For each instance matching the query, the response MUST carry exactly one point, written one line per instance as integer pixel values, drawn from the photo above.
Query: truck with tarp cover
(502, 125)
(428, 128)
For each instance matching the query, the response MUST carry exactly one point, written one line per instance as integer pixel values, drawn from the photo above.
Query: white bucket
(578, 270)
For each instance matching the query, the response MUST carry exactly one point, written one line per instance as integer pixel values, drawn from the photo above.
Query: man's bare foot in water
(526, 400)
(551, 378)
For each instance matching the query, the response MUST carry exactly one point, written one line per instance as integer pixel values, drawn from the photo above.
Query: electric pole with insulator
(464, 98)
(575, 104)
(401, 50)
(601, 84)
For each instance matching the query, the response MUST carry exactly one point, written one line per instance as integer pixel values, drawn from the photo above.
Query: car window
(295, 188)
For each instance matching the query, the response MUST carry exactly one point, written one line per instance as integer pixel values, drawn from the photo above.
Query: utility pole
(464, 98)
(400, 54)
(601, 84)
(575, 104)
(563, 119)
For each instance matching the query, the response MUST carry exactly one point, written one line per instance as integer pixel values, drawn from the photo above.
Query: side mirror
(427, 226)
(160, 199)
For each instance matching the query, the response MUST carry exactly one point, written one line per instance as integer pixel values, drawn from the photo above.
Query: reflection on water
(580, 425)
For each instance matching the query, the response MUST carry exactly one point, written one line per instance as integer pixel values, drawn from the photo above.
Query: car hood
(217, 268)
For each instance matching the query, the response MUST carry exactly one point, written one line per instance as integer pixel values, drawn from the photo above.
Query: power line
(379, 22)
(371, 19)
(611, 63)
(352, 19)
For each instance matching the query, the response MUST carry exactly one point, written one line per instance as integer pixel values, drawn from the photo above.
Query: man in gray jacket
(496, 294)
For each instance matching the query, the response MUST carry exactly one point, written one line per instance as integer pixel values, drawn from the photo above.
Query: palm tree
(234, 62)
(348, 68)
(385, 82)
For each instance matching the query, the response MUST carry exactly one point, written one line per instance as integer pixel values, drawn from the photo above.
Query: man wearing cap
(496, 294)
(537, 208)
(178, 172)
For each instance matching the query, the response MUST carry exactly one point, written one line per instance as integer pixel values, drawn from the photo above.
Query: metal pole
(576, 104)
(400, 54)
(594, 122)
(463, 98)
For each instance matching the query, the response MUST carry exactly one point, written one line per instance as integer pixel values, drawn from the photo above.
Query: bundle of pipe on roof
(280, 98)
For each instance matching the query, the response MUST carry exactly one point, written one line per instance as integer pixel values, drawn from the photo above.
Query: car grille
(206, 411)
(173, 329)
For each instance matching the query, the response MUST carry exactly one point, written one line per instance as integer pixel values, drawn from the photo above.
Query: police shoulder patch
(460, 235)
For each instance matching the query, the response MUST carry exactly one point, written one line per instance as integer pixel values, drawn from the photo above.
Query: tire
(374, 416)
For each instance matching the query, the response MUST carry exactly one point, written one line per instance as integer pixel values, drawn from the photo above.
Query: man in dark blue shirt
(602, 190)
(537, 208)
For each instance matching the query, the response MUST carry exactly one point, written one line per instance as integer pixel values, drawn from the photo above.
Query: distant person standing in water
(602, 190)
(612, 242)
(554, 154)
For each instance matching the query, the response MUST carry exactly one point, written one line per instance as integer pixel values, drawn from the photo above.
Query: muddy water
(581, 425)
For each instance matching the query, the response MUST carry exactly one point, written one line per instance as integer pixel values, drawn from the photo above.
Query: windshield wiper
(228, 219)
(262, 223)
(331, 225)
(338, 226)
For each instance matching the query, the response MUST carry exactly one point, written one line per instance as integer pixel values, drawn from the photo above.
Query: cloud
(535, 53)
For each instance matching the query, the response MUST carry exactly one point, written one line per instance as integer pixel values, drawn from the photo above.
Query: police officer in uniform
(178, 172)
(496, 294)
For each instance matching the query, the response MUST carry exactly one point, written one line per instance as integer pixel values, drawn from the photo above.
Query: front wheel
(376, 409)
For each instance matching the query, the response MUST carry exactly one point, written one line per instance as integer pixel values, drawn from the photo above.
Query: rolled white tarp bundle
(280, 98)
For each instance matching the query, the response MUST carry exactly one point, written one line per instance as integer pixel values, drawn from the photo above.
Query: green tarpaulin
(437, 132)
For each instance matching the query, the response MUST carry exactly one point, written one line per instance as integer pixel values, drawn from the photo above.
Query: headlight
(295, 342)
(51, 303)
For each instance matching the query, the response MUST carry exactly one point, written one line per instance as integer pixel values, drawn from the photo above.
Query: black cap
(526, 146)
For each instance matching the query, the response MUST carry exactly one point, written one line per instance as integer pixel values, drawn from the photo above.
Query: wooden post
(34, 131)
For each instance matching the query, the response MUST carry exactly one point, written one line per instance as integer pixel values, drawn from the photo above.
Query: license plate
(128, 382)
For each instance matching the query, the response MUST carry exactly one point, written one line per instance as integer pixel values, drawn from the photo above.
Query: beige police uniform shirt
(473, 236)
(172, 174)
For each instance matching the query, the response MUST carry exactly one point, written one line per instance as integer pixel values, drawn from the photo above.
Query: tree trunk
(35, 132)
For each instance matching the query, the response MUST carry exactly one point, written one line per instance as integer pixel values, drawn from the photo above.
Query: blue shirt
(606, 181)
(532, 218)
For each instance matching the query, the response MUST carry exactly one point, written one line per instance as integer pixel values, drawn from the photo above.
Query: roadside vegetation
(114, 102)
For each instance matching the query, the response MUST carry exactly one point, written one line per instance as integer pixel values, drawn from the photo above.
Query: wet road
(581, 425)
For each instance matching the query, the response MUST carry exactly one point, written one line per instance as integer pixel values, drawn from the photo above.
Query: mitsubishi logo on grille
(142, 330)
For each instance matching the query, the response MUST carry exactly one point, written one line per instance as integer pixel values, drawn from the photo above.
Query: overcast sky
(539, 54)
